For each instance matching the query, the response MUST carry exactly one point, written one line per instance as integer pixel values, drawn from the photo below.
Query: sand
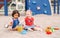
(42, 20)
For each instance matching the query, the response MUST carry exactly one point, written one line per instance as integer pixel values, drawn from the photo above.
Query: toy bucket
(19, 28)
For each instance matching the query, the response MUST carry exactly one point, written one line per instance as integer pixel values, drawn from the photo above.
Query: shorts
(26, 27)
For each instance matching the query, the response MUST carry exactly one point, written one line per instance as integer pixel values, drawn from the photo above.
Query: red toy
(48, 30)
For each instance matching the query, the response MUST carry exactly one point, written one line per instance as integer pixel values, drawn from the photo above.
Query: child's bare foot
(38, 29)
(10, 29)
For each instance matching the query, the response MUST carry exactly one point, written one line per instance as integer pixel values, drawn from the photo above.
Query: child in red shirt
(29, 21)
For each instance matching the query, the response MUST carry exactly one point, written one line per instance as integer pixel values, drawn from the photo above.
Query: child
(29, 21)
(14, 22)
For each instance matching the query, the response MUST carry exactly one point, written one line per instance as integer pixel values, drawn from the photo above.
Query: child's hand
(10, 23)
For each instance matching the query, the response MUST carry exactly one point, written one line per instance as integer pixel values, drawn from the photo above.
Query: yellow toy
(20, 28)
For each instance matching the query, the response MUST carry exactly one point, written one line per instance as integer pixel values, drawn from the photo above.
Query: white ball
(6, 26)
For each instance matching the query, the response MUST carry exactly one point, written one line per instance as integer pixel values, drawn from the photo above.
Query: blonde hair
(29, 11)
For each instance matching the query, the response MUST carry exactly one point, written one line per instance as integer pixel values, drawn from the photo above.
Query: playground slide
(1, 5)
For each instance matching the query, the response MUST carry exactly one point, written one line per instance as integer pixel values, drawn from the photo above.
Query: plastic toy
(24, 32)
(6, 26)
(48, 30)
(48, 33)
(19, 28)
(52, 29)
(56, 28)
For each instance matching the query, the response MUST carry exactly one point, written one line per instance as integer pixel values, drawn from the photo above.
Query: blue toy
(24, 32)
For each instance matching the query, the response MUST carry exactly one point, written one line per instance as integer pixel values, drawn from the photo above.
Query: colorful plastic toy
(24, 32)
(56, 28)
(52, 29)
(48, 30)
(6, 26)
(19, 28)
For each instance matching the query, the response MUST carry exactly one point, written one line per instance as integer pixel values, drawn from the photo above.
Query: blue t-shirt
(15, 23)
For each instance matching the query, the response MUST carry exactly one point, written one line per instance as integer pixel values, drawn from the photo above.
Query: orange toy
(48, 30)
(56, 28)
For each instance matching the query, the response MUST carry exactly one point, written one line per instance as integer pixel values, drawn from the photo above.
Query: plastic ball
(6, 26)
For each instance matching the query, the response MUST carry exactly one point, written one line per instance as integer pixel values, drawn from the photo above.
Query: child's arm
(34, 21)
(10, 22)
(22, 22)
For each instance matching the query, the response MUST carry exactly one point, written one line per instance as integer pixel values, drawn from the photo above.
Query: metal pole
(5, 8)
(54, 6)
(58, 6)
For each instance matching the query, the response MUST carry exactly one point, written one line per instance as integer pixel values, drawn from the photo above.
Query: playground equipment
(38, 6)
(4, 2)
(19, 5)
(56, 4)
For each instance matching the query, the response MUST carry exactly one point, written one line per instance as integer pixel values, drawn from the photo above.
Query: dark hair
(14, 12)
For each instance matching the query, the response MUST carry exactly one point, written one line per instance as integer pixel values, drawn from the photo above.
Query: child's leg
(10, 28)
(37, 28)
(30, 29)
(15, 29)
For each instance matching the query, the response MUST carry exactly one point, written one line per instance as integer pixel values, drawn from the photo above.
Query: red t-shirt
(29, 21)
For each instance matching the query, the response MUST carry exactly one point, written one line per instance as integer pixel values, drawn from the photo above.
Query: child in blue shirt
(15, 21)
